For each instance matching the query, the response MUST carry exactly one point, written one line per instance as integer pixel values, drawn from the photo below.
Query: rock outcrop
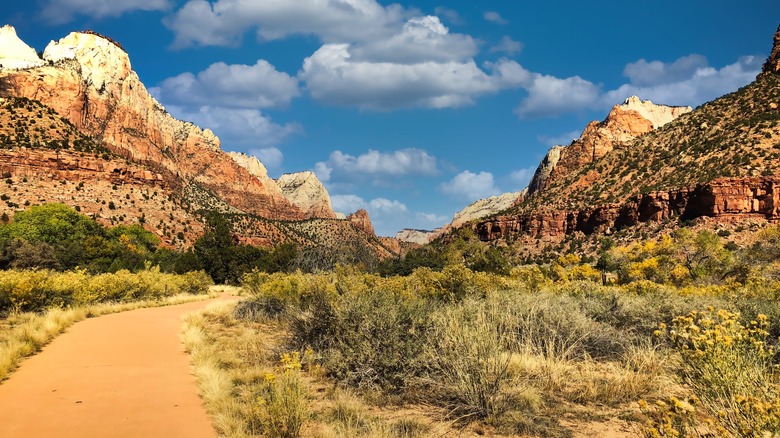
(724, 199)
(251, 164)
(633, 118)
(361, 221)
(410, 235)
(90, 82)
(14, 53)
(305, 191)
(772, 64)
(486, 207)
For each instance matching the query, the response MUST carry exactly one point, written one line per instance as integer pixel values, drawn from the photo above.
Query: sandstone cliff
(89, 81)
(486, 207)
(305, 191)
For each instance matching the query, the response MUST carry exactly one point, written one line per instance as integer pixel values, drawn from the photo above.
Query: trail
(119, 375)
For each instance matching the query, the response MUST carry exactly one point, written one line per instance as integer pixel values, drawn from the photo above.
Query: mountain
(78, 126)
(721, 160)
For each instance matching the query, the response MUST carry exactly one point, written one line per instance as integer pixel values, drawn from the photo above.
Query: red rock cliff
(89, 81)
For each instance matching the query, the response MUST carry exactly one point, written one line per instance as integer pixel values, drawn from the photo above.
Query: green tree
(213, 249)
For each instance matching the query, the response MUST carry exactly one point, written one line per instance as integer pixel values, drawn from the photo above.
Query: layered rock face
(250, 163)
(305, 191)
(89, 81)
(635, 117)
(723, 199)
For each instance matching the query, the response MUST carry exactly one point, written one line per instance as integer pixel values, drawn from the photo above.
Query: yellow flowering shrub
(729, 366)
(283, 404)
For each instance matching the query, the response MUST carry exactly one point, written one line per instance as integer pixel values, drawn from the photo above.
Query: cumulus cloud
(63, 11)
(386, 215)
(224, 22)
(421, 39)
(450, 15)
(494, 17)
(332, 76)
(237, 127)
(551, 96)
(522, 177)
(432, 218)
(470, 186)
(235, 86)
(376, 165)
(271, 157)
(687, 81)
(508, 46)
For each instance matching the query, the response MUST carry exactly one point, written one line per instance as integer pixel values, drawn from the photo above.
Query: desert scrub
(730, 368)
(283, 402)
(470, 359)
(37, 290)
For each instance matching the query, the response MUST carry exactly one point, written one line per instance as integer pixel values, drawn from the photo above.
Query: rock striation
(723, 199)
(89, 81)
(625, 122)
(250, 163)
(304, 190)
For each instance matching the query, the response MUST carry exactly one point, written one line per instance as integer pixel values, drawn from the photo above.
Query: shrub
(283, 404)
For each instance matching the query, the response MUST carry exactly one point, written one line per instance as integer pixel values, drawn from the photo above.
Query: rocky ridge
(625, 122)
(88, 80)
(14, 53)
(720, 161)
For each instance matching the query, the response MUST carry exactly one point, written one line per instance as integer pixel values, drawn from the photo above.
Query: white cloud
(508, 46)
(470, 186)
(332, 76)
(687, 81)
(450, 15)
(270, 157)
(376, 165)
(522, 177)
(560, 140)
(224, 22)
(235, 86)
(375, 207)
(432, 218)
(551, 96)
(494, 17)
(63, 11)
(237, 127)
(421, 39)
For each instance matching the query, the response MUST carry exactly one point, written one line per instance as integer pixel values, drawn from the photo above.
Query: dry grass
(24, 334)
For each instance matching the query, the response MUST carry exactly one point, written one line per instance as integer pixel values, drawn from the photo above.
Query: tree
(214, 248)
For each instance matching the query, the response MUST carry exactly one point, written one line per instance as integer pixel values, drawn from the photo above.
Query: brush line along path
(119, 375)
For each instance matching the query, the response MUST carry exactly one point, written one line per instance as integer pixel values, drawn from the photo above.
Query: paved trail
(119, 375)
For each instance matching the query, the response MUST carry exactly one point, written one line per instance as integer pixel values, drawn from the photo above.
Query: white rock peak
(14, 53)
(305, 190)
(101, 60)
(658, 115)
(250, 163)
(485, 207)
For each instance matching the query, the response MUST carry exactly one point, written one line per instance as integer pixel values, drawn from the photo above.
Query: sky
(414, 109)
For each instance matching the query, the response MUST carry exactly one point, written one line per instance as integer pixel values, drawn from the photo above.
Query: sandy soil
(119, 375)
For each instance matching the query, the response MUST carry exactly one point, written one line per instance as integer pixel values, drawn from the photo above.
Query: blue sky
(414, 109)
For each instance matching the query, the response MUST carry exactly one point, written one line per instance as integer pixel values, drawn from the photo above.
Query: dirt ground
(120, 375)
